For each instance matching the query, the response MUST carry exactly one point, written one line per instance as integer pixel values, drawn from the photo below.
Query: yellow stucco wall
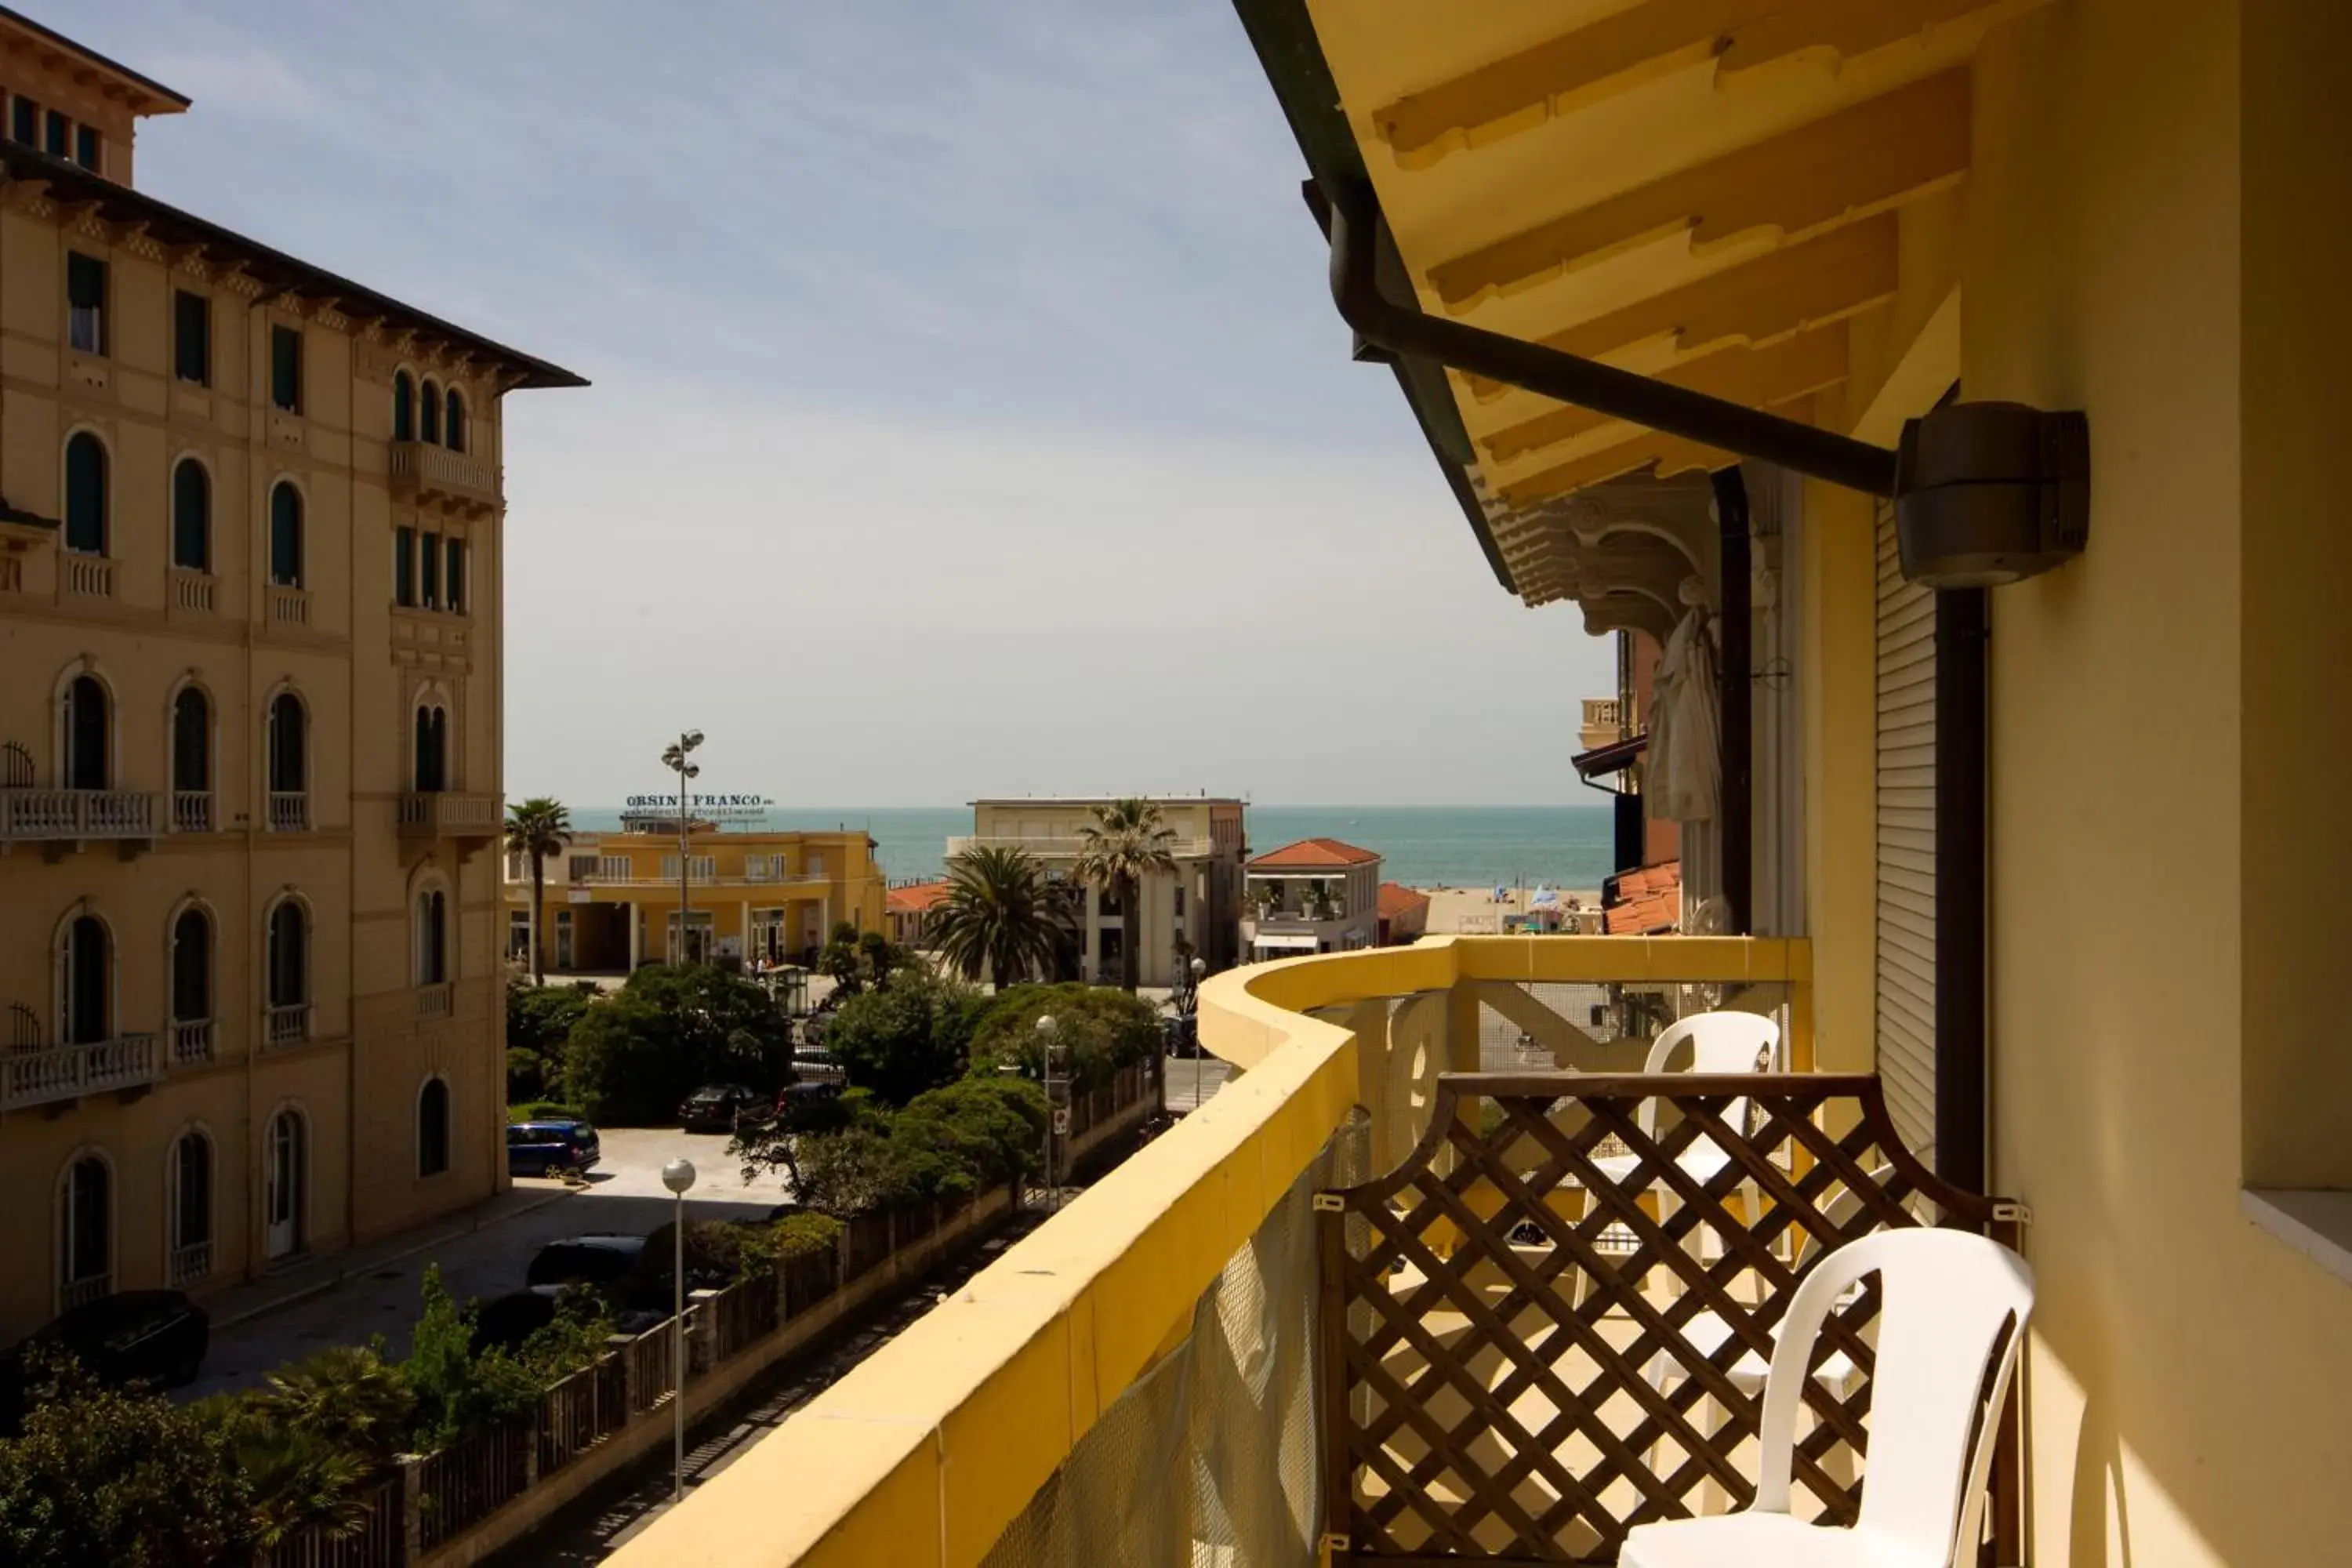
(360, 665)
(2189, 1373)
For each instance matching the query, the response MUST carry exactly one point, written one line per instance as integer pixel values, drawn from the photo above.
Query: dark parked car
(149, 1336)
(557, 1144)
(720, 1106)
(585, 1261)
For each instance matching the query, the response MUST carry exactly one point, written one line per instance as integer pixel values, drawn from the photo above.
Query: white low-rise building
(1318, 895)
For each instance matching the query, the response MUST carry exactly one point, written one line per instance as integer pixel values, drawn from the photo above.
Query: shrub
(458, 1388)
(540, 1110)
(539, 1021)
(912, 1034)
(794, 1236)
(1102, 1029)
(946, 1143)
(632, 1056)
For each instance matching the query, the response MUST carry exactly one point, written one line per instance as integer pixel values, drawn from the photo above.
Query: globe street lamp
(678, 1176)
(1057, 1103)
(675, 758)
(1192, 1024)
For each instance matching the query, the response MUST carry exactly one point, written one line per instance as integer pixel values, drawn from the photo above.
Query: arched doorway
(286, 1172)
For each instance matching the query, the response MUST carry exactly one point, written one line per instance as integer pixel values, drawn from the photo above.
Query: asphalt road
(624, 1194)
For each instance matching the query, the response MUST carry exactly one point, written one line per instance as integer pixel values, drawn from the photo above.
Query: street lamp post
(1057, 1104)
(678, 1176)
(675, 758)
(1192, 1024)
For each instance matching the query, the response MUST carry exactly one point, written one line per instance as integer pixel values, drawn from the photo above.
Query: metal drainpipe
(1736, 697)
(1963, 632)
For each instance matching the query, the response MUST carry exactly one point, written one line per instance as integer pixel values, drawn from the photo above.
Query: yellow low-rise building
(251, 569)
(610, 901)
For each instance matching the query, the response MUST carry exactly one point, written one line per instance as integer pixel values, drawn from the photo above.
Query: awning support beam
(1351, 221)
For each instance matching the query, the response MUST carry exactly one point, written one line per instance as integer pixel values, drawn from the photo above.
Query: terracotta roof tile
(915, 898)
(1396, 899)
(1313, 855)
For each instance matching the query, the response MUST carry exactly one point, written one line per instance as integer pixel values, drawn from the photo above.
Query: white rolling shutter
(1907, 845)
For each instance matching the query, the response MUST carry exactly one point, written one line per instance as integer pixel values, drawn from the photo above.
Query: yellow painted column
(1839, 650)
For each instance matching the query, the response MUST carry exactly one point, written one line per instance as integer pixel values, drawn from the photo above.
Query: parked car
(720, 1108)
(556, 1143)
(598, 1260)
(146, 1336)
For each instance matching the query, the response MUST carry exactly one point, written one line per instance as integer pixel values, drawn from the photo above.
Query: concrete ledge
(2317, 1223)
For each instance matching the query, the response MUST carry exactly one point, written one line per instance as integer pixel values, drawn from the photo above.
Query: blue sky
(968, 414)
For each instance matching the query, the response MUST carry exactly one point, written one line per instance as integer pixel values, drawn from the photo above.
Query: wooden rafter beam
(1662, 454)
(1856, 162)
(1616, 54)
(1786, 290)
(1806, 363)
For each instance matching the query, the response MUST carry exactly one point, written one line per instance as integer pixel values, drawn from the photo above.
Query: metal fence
(468, 1479)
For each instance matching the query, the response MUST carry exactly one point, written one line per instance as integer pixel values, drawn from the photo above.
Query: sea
(1565, 846)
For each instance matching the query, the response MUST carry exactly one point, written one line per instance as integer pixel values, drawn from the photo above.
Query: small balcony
(86, 576)
(467, 819)
(289, 605)
(188, 1264)
(193, 811)
(423, 472)
(62, 820)
(290, 811)
(437, 1000)
(285, 1025)
(192, 593)
(192, 1041)
(56, 1074)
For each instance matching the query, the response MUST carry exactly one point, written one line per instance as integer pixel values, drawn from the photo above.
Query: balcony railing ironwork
(76, 813)
(290, 811)
(53, 1073)
(289, 1025)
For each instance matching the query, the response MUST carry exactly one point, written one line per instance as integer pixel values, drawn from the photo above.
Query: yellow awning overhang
(1719, 194)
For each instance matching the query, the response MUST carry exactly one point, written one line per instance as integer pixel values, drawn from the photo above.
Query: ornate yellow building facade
(249, 737)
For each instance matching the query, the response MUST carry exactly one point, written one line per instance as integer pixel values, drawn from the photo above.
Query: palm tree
(537, 828)
(1126, 841)
(998, 915)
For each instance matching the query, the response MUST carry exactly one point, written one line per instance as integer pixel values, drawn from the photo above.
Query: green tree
(633, 1056)
(539, 1021)
(911, 1033)
(125, 1478)
(348, 1396)
(998, 916)
(1126, 841)
(537, 828)
(1101, 1030)
(946, 1143)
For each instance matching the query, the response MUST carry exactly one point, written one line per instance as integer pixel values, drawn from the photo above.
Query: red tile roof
(1647, 901)
(1313, 855)
(1396, 899)
(915, 898)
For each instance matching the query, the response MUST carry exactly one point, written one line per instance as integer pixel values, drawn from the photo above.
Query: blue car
(543, 1148)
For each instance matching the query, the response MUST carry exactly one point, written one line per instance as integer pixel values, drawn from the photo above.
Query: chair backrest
(1955, 1307)
(1720, 1043)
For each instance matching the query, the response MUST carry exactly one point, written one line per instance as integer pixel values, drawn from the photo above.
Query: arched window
(428, 427)
(85, 1232)
(404, 406)
(190, 1209)
(192, 968)
(86, 494)
(89, 734)
(288, 741)
(457, 420)
(432, 748)
(433, 1128)
(286, 1172)
(285, 535)
(86, 982)
(432, 937)
(192, 517)
(289, 955)
(191, 744)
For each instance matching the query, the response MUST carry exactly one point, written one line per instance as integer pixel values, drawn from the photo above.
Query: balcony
(192, 811)
(286, 1026)
(290, 605)
(468, 819)
(192, 1042)
(188, 1264)
(290, 811)
(1514, 1304)
(86, 576)
(1061, 849)
(421, 471)
(52, 1074)
(192, 593)
(437, 1000)
(62, 820)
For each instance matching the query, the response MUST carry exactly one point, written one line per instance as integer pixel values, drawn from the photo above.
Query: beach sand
(1476, 911)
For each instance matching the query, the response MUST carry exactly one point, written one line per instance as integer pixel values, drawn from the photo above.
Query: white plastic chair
(1948, 1295)
(1720, 1043)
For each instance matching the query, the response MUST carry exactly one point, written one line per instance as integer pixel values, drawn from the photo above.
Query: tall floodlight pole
(677, 759)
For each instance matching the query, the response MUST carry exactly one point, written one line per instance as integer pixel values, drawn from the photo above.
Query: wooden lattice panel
(1546, 1327)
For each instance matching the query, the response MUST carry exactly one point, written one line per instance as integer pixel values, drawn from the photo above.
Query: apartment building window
(89, 734)
(86, 1232)
(286, 368)
(289, 955)
(432, 937)
(86, 147)
(456, 576)
(403, 567)
(85, 303)
(192, 1208)
(25, 121)
(57, 139)
(404, 406)
(456, 432)
(429, 562)
(289, 744)
(701, 867)
(432, 749)
(192, 748)
(192, 968)
(429, 410)
(86, 993)
(285, 535)
(581, 867)
(192, 517)
(86, 494)
(433, 1128)
(192, 338)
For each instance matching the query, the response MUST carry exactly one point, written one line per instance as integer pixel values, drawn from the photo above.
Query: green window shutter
(286, 368)
(86, 495)
(286, 536)
(192, 517)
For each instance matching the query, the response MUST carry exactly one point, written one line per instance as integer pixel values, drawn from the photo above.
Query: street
(1192, 1080)
(624, 1194)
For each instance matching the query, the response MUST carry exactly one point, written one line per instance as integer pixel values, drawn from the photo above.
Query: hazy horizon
(970, 416)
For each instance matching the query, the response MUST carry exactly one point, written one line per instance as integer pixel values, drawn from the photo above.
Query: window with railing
(289, 790)
(191, 1217)
(191, 761)
(582, 867)
(192, 517)
(86, 1233)
(192, 338)
(700, 867)
(85, 303)
(287, 962)
(191, 988)
(286, 368)
(286, 536)
(613, 869)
